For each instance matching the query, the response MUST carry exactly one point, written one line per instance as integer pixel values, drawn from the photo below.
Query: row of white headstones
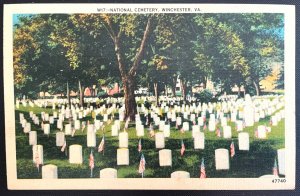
(123, 152)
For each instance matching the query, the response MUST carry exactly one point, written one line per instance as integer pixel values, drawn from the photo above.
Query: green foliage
(204, 96)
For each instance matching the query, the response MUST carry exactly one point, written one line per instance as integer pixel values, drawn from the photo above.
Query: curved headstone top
(180, 174)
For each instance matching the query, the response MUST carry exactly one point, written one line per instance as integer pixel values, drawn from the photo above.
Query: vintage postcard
(149, 96)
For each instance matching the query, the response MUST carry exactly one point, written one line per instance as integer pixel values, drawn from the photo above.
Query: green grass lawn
(256, 162)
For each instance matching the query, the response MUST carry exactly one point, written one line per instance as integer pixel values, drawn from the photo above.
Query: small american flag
(275, 168)
(194, 122)
(232, 150)
(176, 125)
(204, 119)
(271, 123)
(182, 148)
(204, 127)
(63, 146)
(91, 161)
(37, 159)
(152, 133)
(202, 169)
(140, 146)
(101, 145)
(256, 133)
(218, 132)
(244, 124)
(142, 165)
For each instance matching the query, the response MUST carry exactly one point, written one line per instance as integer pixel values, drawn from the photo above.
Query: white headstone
(77, 124)
(195, 129)
(268, 176)
(114, 130)
(165, 157)
(27, 128)
(180, 174)
(281, 160)
(140, 131)
(108, 173)
(159, 140)
(97, 124)
(91, 138)
(32, 138)
(239, 125)
(243, 141)
(167, 130)
(75, 154)
(186, 126)
(60, 138)
(227, 132)
(199, 140)
(211, 125)
(222, 159)
(47, 129)
(49, 172)
(161, 125)
(178, 120)
(262, 134)
(122, 156)
(37, 150)
(68, 130)
(123, 140)
(223, 121)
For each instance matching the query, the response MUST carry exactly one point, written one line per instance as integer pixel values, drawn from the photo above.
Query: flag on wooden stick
(232, 150)
(91, 163)
(182, 148)
(202, 169)
(37, 159)
(275, 168)
(63, 146)
(142, 165)
(140, 146)
(101, 145)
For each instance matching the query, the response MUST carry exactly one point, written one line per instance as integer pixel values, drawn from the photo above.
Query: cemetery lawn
(258, 161)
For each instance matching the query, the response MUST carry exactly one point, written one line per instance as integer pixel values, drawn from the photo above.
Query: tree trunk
(68, 95)
(166, 90)
(155, 92)
(239, 90)
(174, 87)
(257, 89)
(183, 89)
(81, 94)
(130, 104)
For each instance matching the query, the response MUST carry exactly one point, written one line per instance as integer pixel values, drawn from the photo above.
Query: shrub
(205, 96)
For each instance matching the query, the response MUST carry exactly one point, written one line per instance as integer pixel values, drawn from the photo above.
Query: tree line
(150, 50)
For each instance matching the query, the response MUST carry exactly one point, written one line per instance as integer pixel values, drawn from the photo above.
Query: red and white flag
(202, 169)
(232, 150)
(271, 123)
(256, 133)
(218, 132)
(204, 127)
(37, 159)
(140, 146)
(91, 161)
(275, 168)
(63, 146)
(142, 165)
(101, 145)
(182, 148)
(204, 119)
